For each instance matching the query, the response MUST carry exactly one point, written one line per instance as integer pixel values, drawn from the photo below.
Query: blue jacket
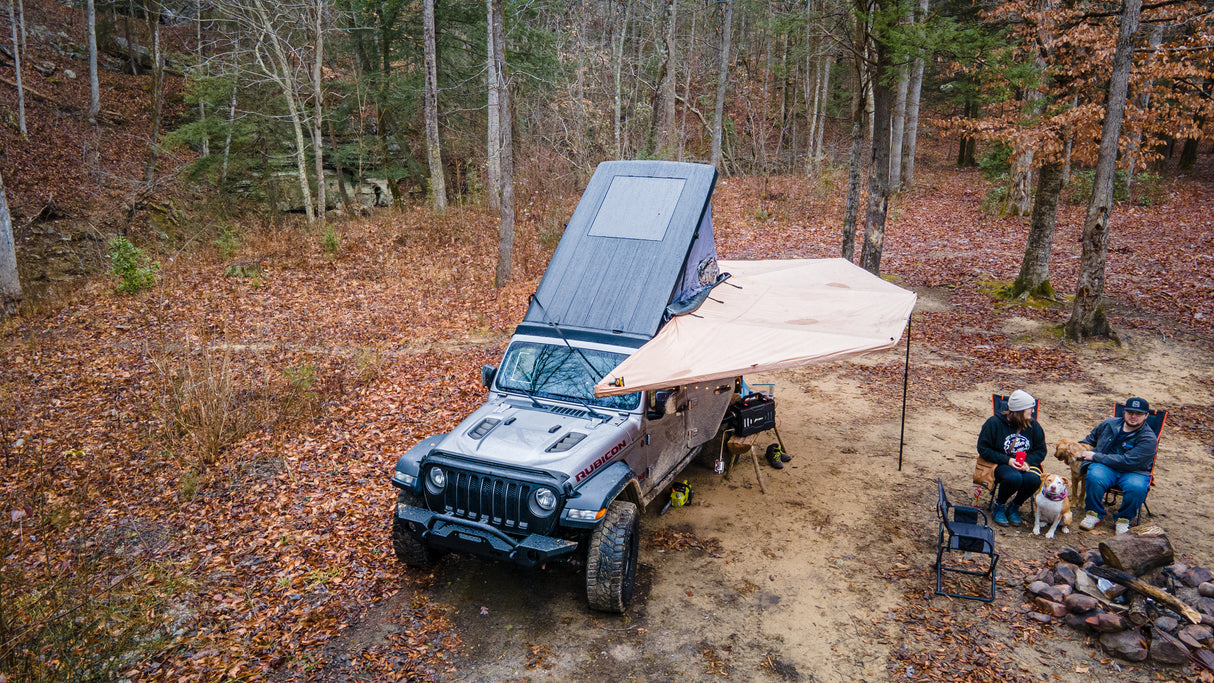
(1135, 454)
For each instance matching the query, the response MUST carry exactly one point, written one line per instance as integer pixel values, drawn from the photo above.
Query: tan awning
(769, 315)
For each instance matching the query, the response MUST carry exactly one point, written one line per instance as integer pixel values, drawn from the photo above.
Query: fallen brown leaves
(44, 171)
(938, 646)
(260, 558)
(669, 539)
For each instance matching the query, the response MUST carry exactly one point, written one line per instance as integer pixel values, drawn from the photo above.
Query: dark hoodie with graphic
(998, 442)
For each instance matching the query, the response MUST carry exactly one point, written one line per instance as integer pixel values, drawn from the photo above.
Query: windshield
(551, 371)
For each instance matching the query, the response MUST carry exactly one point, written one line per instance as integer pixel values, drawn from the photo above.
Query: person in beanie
(1122, 453)
(1016, 444)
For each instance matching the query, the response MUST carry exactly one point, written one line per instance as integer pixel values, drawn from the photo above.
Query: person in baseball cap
(1122, 454)
(1016, 444)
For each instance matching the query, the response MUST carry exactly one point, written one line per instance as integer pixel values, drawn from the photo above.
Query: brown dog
(1053, 508)
(1071, 453)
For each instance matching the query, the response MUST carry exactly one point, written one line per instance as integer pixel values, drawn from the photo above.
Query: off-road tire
(611, 559)
(408, 549)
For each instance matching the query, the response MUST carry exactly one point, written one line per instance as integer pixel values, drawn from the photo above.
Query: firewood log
(1137, 553)
(1135, 583)
(1138, 610)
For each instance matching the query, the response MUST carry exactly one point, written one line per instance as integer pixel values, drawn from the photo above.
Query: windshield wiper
(594, 372)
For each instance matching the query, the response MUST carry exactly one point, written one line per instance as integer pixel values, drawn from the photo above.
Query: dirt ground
(821, 577)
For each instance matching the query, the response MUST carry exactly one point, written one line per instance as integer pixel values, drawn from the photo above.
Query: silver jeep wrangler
(544, 471)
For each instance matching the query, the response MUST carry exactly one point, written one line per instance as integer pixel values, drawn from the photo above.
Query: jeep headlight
(585, 515)
(437, 479)
(545, 500)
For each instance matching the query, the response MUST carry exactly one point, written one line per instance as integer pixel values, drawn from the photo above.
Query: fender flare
(598, 492)
(409, 464)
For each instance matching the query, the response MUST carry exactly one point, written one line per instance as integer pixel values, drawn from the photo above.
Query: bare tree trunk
(812, 71)
(1066, 148)
(584, 8)
(911, 135)
(12, 20)
(617, 70)
(687, 84)
(898, 131)
(878, 173)
(341, 173)
(1019, 197)
(722, 84)
(281, 72)
(202, 103)
(318, 90)
(227, 143)
(94, 86)
(92, 139)
(1034, 278)
(505, 248)
(824, 95)
(1088, 317)
(133, 60)
(855, 163)
(1188, 153)
(494, 155)
(10, 282)
(438, 183)
(1143, 101)
(664, 113)
(149, 171)
(787, 89)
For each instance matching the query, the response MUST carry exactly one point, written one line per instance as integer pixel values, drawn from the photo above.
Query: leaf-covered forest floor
(195, 479)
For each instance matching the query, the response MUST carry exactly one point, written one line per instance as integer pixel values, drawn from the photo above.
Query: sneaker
(1089, 522)
(773, 458)
(1123, 525)
(999, 514)
(1013, 515)
(776, 450)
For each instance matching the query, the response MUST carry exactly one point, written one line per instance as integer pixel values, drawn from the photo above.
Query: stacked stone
(1061, 594)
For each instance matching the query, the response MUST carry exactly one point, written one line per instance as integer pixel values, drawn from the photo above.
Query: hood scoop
(566, 442)
(480, 430)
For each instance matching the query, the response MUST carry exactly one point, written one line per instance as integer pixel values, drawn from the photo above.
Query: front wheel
(408, 548)
(611, 561)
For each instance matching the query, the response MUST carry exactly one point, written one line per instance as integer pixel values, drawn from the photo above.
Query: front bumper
(453, 534)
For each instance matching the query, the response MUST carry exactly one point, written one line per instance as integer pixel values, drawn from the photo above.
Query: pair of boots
(776, 457)
(1005, 514)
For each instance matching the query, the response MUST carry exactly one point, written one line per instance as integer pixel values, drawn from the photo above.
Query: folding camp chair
(960, 531)
(998, 405)
(1156, 419)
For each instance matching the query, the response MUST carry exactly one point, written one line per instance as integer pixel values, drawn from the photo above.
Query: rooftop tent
(624, 256)
(769, 315)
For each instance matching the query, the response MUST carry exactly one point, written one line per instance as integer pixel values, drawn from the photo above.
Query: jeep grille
(497, 501)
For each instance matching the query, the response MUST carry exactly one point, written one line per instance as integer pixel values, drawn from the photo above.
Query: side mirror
(488, 372)
(657, 402)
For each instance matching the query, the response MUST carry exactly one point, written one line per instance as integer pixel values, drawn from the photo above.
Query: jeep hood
(554, 438)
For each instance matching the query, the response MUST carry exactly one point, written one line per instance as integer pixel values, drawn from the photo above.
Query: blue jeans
(1012, 481)
(1133, 485)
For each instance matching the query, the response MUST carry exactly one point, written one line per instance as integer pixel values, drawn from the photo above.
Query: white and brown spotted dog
(1071, 453)
(1053, 507)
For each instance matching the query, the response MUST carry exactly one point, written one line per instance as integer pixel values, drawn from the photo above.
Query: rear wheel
(408, 548)
(611, 561)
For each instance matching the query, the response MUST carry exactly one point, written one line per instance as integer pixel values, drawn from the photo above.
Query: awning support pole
(905, 377)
